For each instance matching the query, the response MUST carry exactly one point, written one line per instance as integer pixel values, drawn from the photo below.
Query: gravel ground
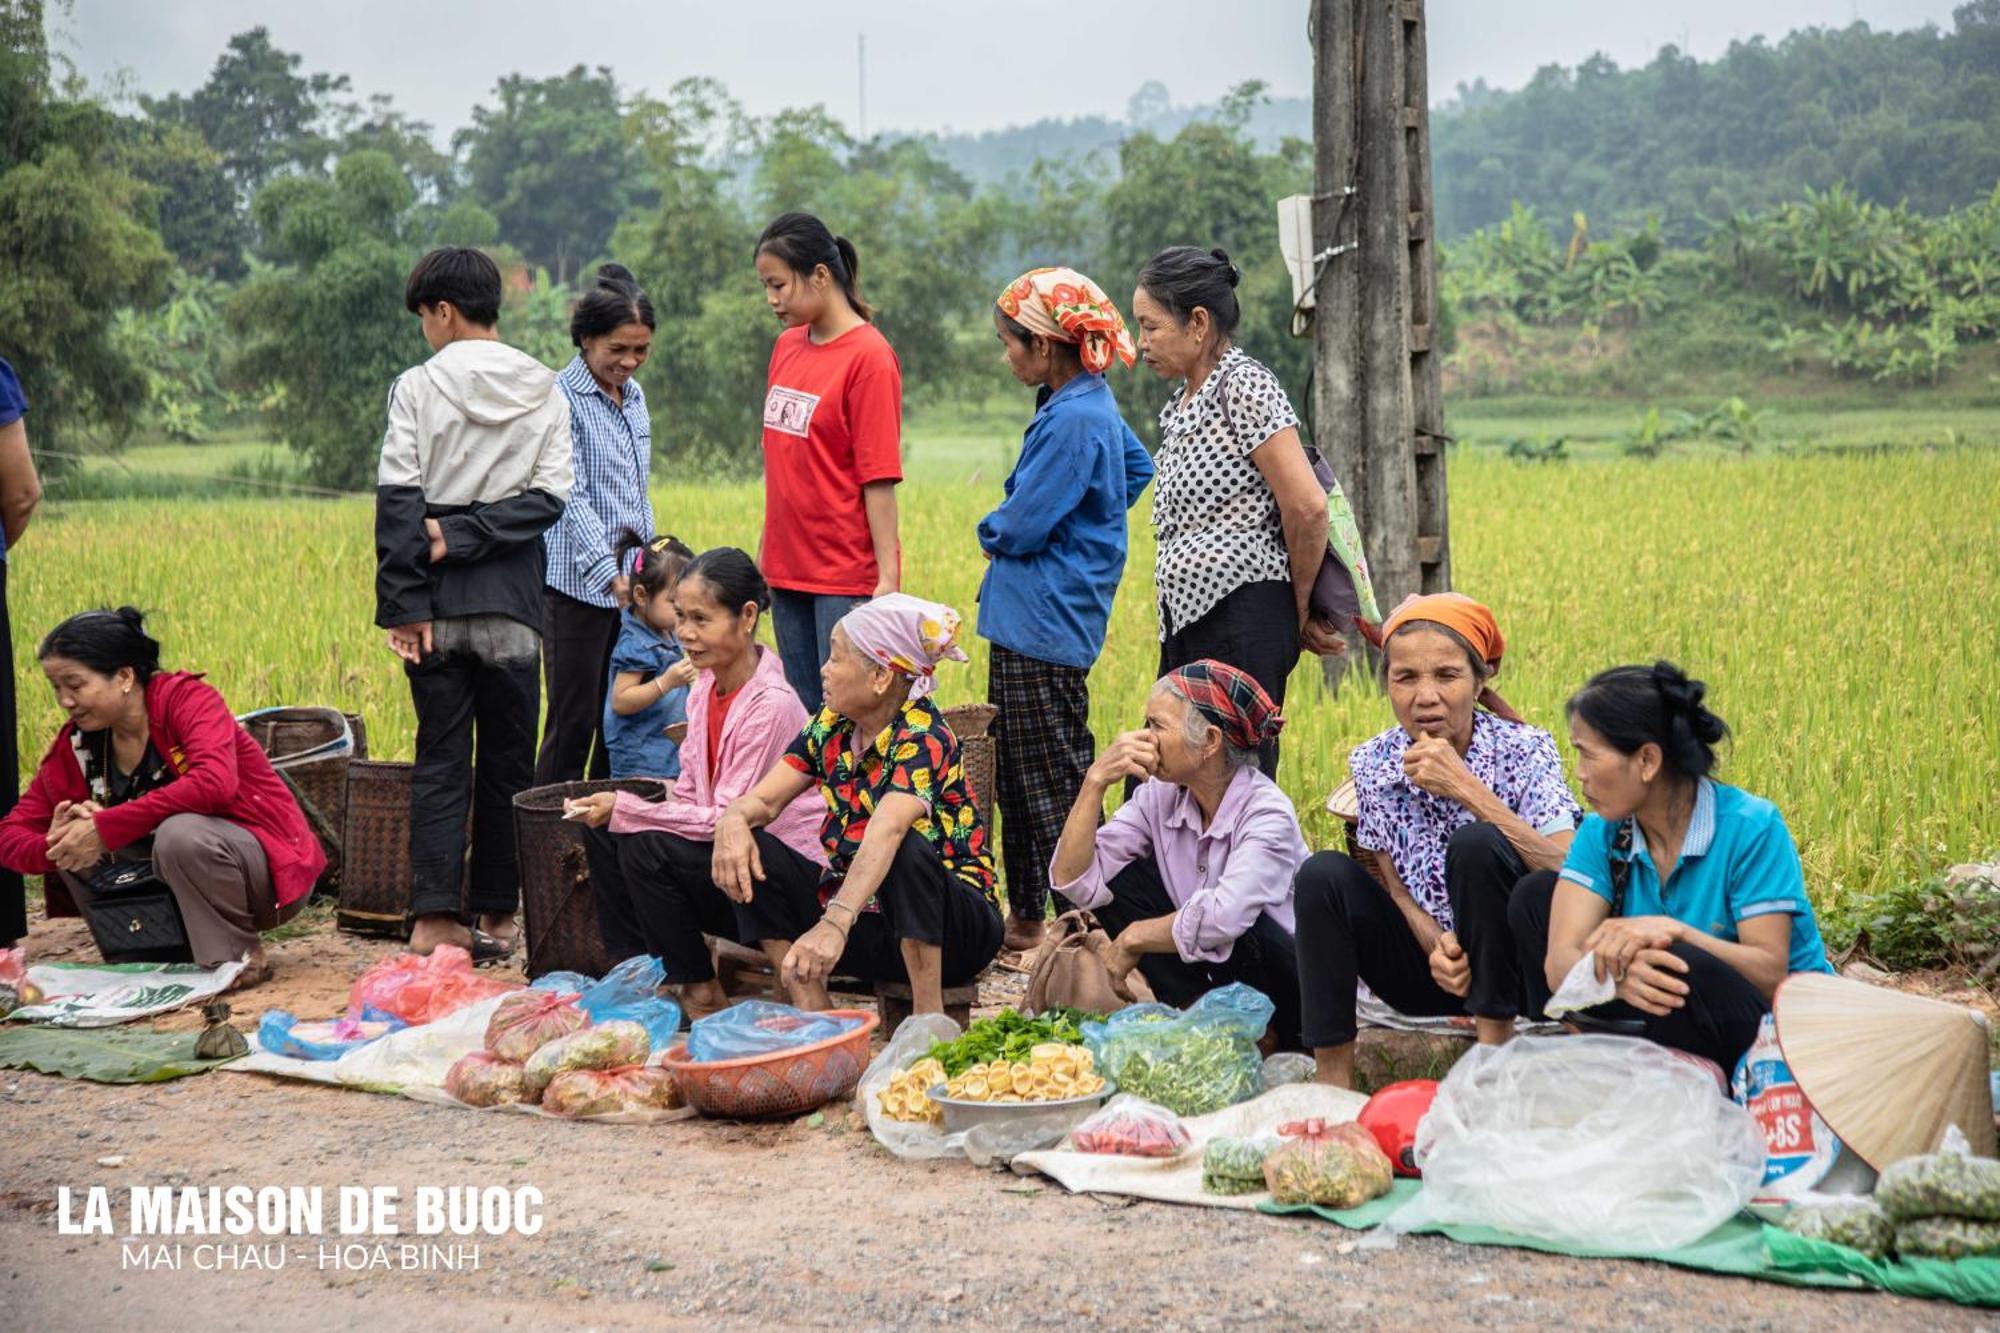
(705, 1224)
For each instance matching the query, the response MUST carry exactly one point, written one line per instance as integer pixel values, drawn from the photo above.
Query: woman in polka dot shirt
(1239, 518)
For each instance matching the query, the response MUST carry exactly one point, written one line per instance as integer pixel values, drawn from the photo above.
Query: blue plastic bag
(1191, 1061)
(627, 992)
(279, 1033)
(758, 1027)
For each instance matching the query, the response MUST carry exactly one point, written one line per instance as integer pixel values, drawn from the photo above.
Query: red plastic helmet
(1392, 1116)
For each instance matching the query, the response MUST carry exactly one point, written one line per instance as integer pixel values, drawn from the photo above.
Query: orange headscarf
(1062, 304)
(1471, 621)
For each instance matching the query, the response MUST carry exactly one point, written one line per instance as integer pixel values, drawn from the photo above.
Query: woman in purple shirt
(1458, 802)
(1192, 877)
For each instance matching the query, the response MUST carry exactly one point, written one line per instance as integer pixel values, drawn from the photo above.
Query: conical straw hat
(1886, 1071)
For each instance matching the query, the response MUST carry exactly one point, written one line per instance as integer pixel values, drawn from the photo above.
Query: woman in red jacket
(153, 765)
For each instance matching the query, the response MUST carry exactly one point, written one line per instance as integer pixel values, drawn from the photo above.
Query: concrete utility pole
(1377, 411)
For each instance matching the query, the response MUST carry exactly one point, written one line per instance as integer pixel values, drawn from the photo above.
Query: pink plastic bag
(528, 1020)
(420, 989)
(13, 965)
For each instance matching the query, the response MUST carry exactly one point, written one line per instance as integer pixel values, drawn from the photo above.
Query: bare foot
(502, 926)
(430, 931)
(256, 971)
(1023, 936)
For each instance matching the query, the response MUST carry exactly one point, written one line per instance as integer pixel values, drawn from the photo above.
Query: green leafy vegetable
(1008, 1035)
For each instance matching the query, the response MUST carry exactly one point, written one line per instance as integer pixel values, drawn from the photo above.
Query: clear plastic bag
(1190, 1061)
(595, 1092)
(628, 993)
(484, 1079)
(529, 1020)
(605, 1046)
(1286, 1067)
(911, 1140)
(1950, 1182)
(1128, 1126)
(1610, 1143)
(282, 1033)
(759, 1027)
(1332, 1166)
(1856, 1223)
(422, 988)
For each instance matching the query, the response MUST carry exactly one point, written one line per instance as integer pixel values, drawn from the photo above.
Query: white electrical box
(1295, 241)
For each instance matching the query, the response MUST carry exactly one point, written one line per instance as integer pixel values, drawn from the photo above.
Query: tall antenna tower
(861, 71)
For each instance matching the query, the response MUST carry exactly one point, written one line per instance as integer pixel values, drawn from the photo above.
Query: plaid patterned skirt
(1042, 748)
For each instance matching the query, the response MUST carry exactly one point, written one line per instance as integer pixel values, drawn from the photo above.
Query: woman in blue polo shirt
(1687, 892)
(1057, 547)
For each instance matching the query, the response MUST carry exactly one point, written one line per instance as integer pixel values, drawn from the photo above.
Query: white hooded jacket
(478, 439)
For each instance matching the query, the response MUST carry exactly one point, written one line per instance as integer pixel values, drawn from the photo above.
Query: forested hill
(1897, 115)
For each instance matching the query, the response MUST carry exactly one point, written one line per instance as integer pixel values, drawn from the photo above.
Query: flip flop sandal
(1016, 960)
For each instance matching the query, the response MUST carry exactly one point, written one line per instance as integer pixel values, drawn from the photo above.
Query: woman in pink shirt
(650, 861)
(1192, 877)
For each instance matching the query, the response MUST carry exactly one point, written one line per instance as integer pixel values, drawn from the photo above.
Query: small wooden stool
(893, 1002)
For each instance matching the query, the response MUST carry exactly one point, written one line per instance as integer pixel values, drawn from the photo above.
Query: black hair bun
(615, 275)
(1686, 698)
(132, 616)
(1220, 255)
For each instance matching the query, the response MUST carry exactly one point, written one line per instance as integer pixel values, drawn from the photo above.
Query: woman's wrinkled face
(795, 298)
(1167, 345)
(614, 357)
(91, 699)
(851, 683)
(1613, 782)
(1029, 367)
(713, 636)
(1432, 685)
(1167, 719)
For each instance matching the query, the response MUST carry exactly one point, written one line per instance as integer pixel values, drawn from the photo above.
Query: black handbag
(133, 916)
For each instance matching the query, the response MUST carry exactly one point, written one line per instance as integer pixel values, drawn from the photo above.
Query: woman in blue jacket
(1057, 547)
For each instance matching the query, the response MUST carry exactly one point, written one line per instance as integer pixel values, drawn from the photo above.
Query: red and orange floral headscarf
(1062, 304)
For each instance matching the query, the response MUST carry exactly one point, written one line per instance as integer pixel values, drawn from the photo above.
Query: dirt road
(703, 1224)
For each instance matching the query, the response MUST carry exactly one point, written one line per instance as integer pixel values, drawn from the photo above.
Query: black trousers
(920, 900)
(481, 679)
(577, 639)
(1264, 957)
(1350, 928)
(1042, 749)
(1722, 1011)
(656, 895)
(13, 892)
(1254, 629)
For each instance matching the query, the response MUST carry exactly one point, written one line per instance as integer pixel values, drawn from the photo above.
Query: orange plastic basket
(765, 1087)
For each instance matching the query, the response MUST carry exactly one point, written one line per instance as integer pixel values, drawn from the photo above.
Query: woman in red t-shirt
(833, 428)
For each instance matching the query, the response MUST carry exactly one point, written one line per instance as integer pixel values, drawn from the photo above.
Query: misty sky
(931, 64)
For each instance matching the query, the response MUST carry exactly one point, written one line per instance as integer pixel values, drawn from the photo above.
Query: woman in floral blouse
(908, 891)
(1458, 802)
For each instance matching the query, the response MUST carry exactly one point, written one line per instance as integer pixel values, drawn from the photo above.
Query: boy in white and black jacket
(475, 466)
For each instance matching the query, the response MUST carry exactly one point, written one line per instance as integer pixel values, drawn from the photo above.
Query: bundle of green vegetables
(1009, 1036)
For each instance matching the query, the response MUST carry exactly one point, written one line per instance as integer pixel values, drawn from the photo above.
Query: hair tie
(638, 562)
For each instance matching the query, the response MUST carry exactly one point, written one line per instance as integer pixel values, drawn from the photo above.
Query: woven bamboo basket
(321, 784)
(1347, 808)
(558, 909)
(972, 724)
(375, 874)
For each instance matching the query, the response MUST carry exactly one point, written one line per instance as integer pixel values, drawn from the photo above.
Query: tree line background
(1822, 206)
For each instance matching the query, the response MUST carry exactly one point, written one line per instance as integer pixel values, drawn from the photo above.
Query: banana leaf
(102, 1055)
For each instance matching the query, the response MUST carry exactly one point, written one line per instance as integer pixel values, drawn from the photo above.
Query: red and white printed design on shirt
(789, 411)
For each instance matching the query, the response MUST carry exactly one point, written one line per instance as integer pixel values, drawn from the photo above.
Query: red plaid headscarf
(1230, 699)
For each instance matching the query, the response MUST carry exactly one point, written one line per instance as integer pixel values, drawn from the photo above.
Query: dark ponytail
(655, 565)
(1184, 279)
(733, 575)
(802, 243)
(107, 642)
(1631, 705)
(615, 301)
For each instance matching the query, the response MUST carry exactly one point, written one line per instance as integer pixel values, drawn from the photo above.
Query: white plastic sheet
(1594, 1141)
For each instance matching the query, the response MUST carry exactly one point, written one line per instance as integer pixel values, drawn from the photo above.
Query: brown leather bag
(1068, 970)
